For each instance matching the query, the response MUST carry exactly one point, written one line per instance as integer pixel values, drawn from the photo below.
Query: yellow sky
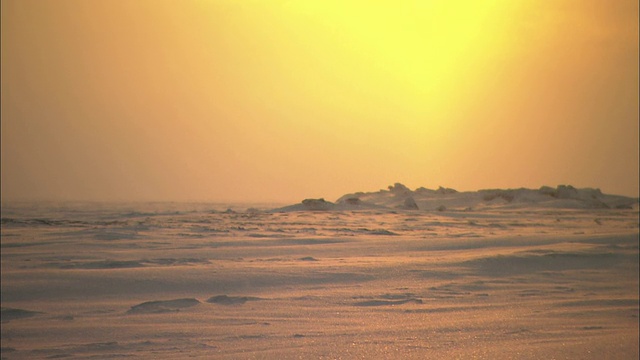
(282, 100)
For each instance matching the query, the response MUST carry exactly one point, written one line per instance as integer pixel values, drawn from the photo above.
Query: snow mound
(344, 203)
(163, 306)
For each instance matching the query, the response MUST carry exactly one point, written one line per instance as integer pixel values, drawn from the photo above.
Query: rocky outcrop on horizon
(398, 196)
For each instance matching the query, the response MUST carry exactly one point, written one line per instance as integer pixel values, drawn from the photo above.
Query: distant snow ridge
(398, 196)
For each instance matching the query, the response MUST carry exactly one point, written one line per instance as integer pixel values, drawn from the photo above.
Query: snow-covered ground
(468, 277)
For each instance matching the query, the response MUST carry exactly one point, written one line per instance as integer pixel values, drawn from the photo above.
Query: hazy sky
(283, 100)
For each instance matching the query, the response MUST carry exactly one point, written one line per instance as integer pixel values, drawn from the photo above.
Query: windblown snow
(550, 273)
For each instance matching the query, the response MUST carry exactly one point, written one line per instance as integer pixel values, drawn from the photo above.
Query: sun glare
(375, 88)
